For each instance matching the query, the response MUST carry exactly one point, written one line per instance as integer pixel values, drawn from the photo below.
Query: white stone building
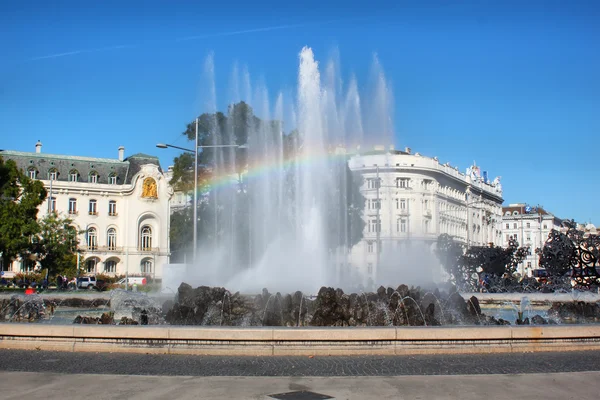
(529, 226)
(413, 199)
(121, 206)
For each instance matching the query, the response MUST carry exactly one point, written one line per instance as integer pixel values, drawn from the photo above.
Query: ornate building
(412, 199)
(120, 205)
(529, 226)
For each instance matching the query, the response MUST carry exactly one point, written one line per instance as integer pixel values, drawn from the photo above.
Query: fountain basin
(299, 341)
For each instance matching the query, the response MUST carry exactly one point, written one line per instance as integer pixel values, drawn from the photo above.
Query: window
(528, 225)
(370, 268)
(401, 204)
(146, 238)
(93, 177)
(374, 225)
(111, 238)
(91, 265)
(72, 206)
(507, 226)
(52, 204)
(426, 204)
(370, 247)
(110, 267)
(73, 175)
(27, 265)
(92, 209)
(374, 204)
(426, 226)
(112, 179)
(515, 225)
(112, 207)
(528, 237)
(545, 226)
(402, 183)
(529, 264)
(373, 183)
(507, 238)
(146, 267)
(53, 174)
(427, 184)
(92, 239)
(32, 172)
(516, 237)
(401, 225)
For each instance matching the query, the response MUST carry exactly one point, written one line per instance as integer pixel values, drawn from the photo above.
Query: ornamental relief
(149, 189)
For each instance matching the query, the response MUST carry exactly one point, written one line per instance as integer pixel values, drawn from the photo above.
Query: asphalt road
(183, 365)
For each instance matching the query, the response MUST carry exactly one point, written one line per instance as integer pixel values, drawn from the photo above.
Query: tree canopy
(56, 244)
(20, 198)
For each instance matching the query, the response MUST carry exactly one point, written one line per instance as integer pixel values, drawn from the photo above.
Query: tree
(56, 244)
(181, 232)
(20, 198)
(230, 218)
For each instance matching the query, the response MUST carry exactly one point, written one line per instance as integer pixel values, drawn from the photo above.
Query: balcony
(73, 212)
(112, 214)
(93, 213)
(102, 249)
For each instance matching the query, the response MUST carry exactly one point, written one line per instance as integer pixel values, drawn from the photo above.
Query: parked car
(86, 282)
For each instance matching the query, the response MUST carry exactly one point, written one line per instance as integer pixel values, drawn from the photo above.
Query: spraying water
(293, 193)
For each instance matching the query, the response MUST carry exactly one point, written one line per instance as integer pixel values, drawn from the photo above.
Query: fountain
(294, 193)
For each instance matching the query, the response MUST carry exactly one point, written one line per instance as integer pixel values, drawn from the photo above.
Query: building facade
(529, 226)
(411, 198)
(120, 206)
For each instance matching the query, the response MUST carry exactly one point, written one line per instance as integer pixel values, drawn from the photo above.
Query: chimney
(121, 153)
(407, 150)
(38, 147)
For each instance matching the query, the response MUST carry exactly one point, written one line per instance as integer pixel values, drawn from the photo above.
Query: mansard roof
(105, 167)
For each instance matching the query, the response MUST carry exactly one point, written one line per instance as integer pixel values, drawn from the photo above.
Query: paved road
(183, 365)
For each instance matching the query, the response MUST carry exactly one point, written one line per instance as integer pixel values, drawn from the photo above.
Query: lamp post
(195, 151)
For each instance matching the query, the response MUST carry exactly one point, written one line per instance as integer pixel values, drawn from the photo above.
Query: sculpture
(496, 183)
(149, 189)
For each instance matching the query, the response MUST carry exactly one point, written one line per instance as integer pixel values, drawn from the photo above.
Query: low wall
(299, 341)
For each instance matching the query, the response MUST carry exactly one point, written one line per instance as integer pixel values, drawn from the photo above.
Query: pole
(378, 225)
(50, 198)
(195, 243)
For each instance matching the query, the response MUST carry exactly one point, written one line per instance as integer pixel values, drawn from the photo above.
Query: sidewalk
(560, 386)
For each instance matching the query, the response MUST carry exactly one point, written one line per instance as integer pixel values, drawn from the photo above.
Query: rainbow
(266, 167)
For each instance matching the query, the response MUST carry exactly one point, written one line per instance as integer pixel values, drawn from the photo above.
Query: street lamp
(196, 147)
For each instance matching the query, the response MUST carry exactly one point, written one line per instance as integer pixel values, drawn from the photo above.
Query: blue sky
(515, 87)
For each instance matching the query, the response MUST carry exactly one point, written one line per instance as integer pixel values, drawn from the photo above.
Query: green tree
(56, 244)
(20, 198)
(345, 202)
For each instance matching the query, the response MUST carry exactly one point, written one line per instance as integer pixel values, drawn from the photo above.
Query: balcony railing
(112, 214)
(93, 213)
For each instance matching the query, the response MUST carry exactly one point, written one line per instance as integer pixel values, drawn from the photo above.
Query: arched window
(110, 266)
(146, 238)
(111, 238)
(73, 175)
(90, 265)
(92, 239)
(146, 266)
(32, 172)
(53, 174)
(93, 177)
